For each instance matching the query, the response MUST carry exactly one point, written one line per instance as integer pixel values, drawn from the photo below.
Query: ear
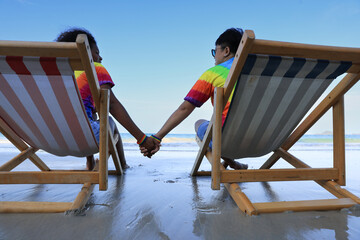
(227, 51)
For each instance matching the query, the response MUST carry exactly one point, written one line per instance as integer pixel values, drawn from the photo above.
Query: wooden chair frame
(80, 57)
(330, 178)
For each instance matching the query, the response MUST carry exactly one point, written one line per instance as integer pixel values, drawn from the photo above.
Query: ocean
(187, 143)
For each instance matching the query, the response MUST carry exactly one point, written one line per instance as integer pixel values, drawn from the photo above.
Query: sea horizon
(186, 143)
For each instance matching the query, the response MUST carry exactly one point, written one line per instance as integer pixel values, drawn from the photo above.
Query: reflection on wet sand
(157, 199)
(219, 220)
(270, 194)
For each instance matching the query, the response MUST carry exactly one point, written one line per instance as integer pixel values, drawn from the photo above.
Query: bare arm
(183, 111)
(118, 111)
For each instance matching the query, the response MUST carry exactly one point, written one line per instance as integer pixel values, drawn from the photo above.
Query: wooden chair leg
(19, 144)
(271, 161)
(113, 152)
(203, 148)
(84, 195)
(216, 147)
(240, 198)
(103, 144)
(8, 166)
(339, 139)
(34, 207)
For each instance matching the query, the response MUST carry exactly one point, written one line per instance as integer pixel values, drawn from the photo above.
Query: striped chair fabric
(40, 101)
(271, 97)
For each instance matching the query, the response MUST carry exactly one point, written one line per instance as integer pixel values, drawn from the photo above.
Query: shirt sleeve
(103, 75)
(201, 91)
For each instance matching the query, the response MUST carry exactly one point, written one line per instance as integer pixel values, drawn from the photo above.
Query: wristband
(156, 138)
(142, 140)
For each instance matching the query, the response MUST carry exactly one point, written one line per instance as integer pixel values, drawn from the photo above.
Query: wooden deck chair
(276, 84)
(41, 108)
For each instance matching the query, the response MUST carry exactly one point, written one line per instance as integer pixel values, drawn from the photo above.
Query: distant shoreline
(190, 138)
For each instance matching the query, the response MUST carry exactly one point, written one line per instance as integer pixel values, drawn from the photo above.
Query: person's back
(205, 86)
(117, 110)
(84, 88)
(224, 52)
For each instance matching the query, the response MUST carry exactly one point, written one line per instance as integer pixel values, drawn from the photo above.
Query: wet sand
(157, 199)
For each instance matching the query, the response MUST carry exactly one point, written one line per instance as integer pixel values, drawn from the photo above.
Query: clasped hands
(149, 147)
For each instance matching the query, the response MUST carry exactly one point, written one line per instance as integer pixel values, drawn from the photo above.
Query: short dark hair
(71, 34)
(230, 38)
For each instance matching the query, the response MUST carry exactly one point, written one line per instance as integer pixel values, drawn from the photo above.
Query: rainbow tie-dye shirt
(204, 87)
(84, 88)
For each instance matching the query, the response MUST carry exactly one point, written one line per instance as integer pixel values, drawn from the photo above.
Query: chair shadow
(291, 224)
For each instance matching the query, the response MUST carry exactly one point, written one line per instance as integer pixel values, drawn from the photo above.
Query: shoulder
(221, 69)
(227, 64)
(97, 64)
(103, 75)
(100, 68)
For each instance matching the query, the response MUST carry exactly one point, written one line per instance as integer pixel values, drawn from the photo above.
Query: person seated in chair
(225, 49)
(117, 110)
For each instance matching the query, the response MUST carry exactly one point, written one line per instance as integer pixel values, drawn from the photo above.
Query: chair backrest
(271, 96)
(40, 101)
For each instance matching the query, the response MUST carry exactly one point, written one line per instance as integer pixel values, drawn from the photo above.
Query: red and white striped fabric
(40, 101)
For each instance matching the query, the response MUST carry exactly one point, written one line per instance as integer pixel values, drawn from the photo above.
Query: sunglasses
(213, 52)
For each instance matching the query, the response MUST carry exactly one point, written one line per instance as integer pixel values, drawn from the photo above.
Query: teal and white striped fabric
(271, 97)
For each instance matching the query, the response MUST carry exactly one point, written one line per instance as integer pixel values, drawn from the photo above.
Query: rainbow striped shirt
(204, 87)
(84, 88)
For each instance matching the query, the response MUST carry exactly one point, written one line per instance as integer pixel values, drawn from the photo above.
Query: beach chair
(275, 84)
(41, 109)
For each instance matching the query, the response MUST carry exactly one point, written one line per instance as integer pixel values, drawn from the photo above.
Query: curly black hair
(71, 34)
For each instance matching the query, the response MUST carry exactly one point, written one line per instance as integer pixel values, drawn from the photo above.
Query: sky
(156, 50)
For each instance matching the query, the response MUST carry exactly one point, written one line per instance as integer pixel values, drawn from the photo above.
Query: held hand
(143, 151)
(149, 147)
(157, 147)
(157, 142)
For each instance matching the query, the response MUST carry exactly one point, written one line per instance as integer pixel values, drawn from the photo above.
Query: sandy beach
(157, 199)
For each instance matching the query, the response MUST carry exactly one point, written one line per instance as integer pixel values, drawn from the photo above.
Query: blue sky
(156, 50)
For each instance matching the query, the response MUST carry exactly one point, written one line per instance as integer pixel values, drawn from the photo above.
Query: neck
(229, 57)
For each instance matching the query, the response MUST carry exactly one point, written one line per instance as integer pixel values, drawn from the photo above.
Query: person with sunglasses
(225, 49)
